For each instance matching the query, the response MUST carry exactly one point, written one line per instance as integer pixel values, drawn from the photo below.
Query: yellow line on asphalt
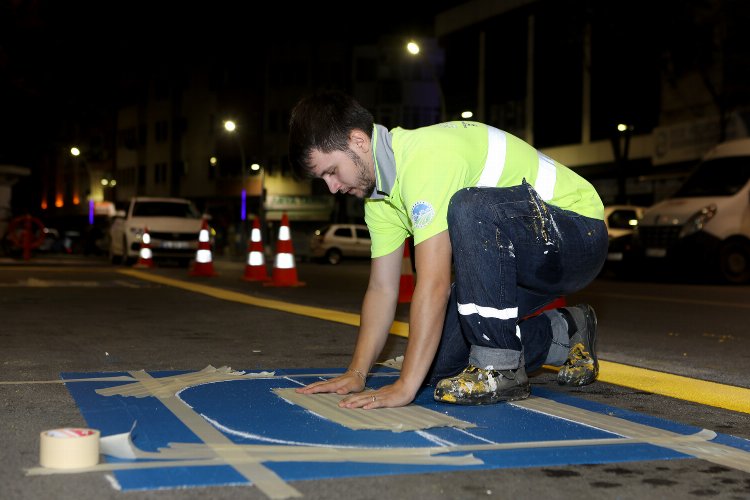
(676, 386)
(665, 384)
(398, 328)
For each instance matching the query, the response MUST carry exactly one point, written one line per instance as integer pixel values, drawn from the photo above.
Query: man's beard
(365, 181)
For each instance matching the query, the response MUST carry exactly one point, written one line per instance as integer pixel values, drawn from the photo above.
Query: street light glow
(254, 167)
(413, 48)
(466, 114)
(230, 126)
(622, 127)
(75, 151)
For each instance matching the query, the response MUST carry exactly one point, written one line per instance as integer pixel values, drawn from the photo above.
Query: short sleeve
(387, 230)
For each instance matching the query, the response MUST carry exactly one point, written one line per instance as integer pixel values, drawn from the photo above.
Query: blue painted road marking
(247, 412)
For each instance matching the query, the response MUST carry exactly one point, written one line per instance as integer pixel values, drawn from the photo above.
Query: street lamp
(231, 127)
(414, 49)
(620, 150)
(261, 206)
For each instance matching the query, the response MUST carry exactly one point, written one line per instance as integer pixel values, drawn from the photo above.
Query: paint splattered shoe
(582, 365)
(477, 386)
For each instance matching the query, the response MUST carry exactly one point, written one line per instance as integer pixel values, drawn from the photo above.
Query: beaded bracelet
(362, 375)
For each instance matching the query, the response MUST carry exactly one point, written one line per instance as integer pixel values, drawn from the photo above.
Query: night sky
(62, 62)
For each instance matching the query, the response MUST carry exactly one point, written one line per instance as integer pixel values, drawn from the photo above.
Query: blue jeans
(512, 255)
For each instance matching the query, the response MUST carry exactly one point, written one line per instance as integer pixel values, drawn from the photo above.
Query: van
(705, 225)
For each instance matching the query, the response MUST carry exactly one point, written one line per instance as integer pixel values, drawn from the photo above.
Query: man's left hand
(389, 396)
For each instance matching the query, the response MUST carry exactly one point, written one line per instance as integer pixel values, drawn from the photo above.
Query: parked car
(173, 224)
(621, 222)
(336, 241)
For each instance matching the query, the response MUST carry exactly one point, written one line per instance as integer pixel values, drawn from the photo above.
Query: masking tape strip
(170, 385)
(405, 418)
(119, 378)
(263, 478)
(712, 452)
(281, 453)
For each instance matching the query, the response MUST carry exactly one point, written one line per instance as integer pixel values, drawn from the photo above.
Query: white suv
(173, 224)
(335, 241)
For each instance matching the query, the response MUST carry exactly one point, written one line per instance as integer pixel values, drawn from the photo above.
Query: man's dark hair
(323, 121)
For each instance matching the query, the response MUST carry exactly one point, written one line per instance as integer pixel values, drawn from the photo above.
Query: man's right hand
(343, 384)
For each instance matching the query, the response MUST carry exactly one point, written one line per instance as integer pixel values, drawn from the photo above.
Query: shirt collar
(385, 162)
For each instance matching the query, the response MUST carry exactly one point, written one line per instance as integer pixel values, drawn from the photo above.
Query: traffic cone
(255, 270)
(145, 256)
(203, 265)
(284, 270)
(406, 285)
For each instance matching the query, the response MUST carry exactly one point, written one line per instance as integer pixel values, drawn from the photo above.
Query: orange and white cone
(145, 255)
(284, 269)
(255, 269)
(406, 284)
(204, 264)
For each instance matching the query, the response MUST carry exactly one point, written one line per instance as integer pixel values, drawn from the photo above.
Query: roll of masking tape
(69, 448)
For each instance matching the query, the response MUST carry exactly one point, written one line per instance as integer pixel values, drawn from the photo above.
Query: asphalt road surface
(84, 315)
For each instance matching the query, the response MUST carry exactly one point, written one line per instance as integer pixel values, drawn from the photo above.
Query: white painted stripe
(203, 235)
(487, 312)
(255, 235)
(255, 259)
(146, 253)
(203, 256)
(432, 438)
(284, 233)
(284, 261)
(546, 177)
(495, 162)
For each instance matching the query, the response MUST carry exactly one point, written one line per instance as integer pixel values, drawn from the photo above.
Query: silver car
(336, 241)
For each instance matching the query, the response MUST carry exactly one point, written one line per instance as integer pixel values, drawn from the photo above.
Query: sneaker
(582, 366)
(477, 386)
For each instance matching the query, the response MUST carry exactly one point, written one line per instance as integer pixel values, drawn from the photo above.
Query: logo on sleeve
(422, 214)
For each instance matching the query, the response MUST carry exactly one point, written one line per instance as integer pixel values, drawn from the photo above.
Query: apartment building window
(126, 176)
(161, 131)
(126, 138)
(160, 173)
(141, 176)
(142, 134)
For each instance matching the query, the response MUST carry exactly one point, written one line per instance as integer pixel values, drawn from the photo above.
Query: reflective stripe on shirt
(546, 177)
(495, 162)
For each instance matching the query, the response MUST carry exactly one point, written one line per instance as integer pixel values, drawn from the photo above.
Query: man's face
(345, 172)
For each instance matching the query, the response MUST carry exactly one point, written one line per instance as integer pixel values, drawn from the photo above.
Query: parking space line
(665, 384)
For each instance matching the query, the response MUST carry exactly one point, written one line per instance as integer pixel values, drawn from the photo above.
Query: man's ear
(359, 140)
